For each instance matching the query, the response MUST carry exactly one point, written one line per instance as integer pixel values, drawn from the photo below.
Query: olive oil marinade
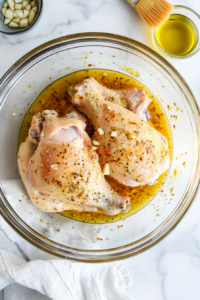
(178, 35)
(56, 97)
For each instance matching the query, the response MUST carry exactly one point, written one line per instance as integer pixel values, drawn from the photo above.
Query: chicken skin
(60, 169)
(133, 99)
(136, 153)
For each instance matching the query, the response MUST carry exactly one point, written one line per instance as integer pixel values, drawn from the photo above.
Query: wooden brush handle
(133, 2)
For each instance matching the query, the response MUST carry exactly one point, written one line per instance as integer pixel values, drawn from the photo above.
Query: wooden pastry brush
(153, 12)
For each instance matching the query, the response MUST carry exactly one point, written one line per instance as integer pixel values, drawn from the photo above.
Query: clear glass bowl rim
(158, 234)
(197, 48)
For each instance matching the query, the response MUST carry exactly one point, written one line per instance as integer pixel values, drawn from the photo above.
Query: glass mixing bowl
(98, 242)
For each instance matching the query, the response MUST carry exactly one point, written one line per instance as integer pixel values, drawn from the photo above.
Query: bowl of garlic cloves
(99, 147)
(19, 16)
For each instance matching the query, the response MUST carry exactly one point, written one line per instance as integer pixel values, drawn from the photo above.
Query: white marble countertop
(170, 270)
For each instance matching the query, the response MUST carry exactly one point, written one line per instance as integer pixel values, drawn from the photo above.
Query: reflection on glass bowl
(98, 242)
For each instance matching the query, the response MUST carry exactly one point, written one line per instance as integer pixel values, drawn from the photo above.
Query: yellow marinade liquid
(55, 96)
(178, 35)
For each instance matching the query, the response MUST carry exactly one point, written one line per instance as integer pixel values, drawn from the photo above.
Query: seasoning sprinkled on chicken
(61, 170)
(137, 154)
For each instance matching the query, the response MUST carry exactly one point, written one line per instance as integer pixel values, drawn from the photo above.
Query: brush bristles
(154, 12)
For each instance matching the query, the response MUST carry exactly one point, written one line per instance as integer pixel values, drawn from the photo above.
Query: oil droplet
(175, 173)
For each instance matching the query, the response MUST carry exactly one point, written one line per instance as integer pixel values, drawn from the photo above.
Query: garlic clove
(34, 3)
(25, 3)
(114, 133)
(7, 21)
(16, 20)
(11, 4)
(3, 11)
(28, 7)
(96, 143)
(35, 9)
(94, 148)
(9, 14)
(31, 16)
(23, 23)
(100, 130)
(19, 13)
(106, 169)
(18, 6)
(13, 24)
(26, 13)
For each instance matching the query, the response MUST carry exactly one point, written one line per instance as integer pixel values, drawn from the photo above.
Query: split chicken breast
(61, 170)
(133, 151)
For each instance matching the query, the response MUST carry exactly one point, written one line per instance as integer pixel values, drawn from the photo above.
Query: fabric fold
(60, 279)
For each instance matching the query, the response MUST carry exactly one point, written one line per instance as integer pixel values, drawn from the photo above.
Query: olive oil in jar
(178, 35)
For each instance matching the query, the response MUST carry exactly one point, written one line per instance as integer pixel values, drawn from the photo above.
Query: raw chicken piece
(60, 169)
(133, 99)
(73, 112)
(136, 153)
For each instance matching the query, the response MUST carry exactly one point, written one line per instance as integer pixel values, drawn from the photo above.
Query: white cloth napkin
(24, 278)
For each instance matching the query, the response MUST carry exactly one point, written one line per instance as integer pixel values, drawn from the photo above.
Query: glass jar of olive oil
(178, 36)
